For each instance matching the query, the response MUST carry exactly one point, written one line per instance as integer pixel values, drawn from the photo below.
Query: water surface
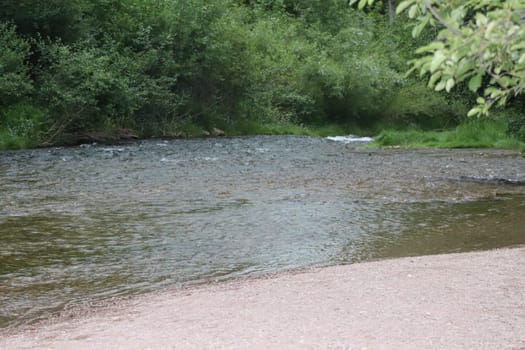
(92, 222)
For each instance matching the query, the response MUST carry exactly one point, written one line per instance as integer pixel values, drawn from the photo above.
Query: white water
(350, 139)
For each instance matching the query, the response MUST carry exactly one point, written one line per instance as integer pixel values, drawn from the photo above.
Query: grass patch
(8, 141)
(472, 134)
(251, 127)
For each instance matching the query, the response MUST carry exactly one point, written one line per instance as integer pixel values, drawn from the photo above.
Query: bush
(516, 125)
(414, 105)
(55, 19)
(82, 87)
(14, 80)
(24, 120)
(167, 67)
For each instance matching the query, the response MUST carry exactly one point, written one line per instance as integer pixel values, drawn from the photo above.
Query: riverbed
(94, 222)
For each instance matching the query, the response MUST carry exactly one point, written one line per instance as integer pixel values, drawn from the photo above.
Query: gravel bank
(455, 301)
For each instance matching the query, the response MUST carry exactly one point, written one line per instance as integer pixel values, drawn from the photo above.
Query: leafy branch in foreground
(481, 43)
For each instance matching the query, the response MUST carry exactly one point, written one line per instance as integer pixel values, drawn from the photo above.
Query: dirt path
(457, 301)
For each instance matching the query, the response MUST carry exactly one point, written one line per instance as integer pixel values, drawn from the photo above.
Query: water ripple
(79, 224)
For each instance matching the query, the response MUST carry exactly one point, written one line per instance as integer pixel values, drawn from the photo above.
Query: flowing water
(93, 222)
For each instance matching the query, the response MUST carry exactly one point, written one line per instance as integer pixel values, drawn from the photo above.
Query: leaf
(433, 79)
(502, 101)
(419, 28)
(362, 4)
(410, 71)
(438, 59)
(475, 82)
(412, 12)
(490, 91)
(496, 93)
(506, 81)
(490, 28)
(450, 84)
(440, 86)
(463, 70)
(518, 46)
(474, 111)
(403, 6)
(481, 19)
(433, 46)
(516, 17)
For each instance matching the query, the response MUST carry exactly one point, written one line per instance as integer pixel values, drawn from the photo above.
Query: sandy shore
(456, 301)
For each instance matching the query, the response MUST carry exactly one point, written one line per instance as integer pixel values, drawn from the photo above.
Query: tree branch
(436, 15)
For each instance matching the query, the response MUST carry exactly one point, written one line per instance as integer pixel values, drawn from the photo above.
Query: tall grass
(471, 134)
(8, 141)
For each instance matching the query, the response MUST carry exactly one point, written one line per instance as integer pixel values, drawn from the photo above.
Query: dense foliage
(168, 68)
(480, 44)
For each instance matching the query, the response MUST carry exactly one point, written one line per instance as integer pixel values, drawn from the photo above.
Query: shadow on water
(437, 228)
(92, 222)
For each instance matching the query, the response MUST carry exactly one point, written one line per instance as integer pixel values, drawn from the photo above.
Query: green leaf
(463, 70)
(419, 28)
(438, 59)
(503, 101)
(403, 6)
(412, 12)
(490, 28)
(433, 79)
(362, 4)
(475, 82)
(481, 19)
(410, 71)
(433, 46)
(450, 84)
(516, 17)
(506, 81)
(440, 86)
(474, 111)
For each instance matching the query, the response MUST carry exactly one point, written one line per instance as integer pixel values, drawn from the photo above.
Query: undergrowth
(471, 134)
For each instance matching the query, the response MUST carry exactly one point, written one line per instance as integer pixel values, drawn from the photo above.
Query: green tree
(49, 19)
(14, 78)
(83, 87)
(480, 43)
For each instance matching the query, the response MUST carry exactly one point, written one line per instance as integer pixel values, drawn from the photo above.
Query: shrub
(55, 19)
(14, 80)
(415, 105)
(24, 120)
(84, 86)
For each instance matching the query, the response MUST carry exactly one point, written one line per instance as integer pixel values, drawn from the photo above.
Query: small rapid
(350, 139)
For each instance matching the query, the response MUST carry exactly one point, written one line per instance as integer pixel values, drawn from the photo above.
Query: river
(84, 224)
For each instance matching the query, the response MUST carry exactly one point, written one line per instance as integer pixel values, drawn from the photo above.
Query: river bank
(455, 301)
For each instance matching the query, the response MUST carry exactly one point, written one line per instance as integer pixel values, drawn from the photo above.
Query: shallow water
(93, 222)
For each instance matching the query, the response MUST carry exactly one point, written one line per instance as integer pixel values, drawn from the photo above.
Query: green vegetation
(182, 68)
(480, 42)
(472, 134)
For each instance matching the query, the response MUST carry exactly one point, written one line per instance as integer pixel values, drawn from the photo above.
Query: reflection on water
(432, 228)
(94, 222)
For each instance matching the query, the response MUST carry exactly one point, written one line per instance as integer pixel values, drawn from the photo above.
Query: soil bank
(454, 301)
